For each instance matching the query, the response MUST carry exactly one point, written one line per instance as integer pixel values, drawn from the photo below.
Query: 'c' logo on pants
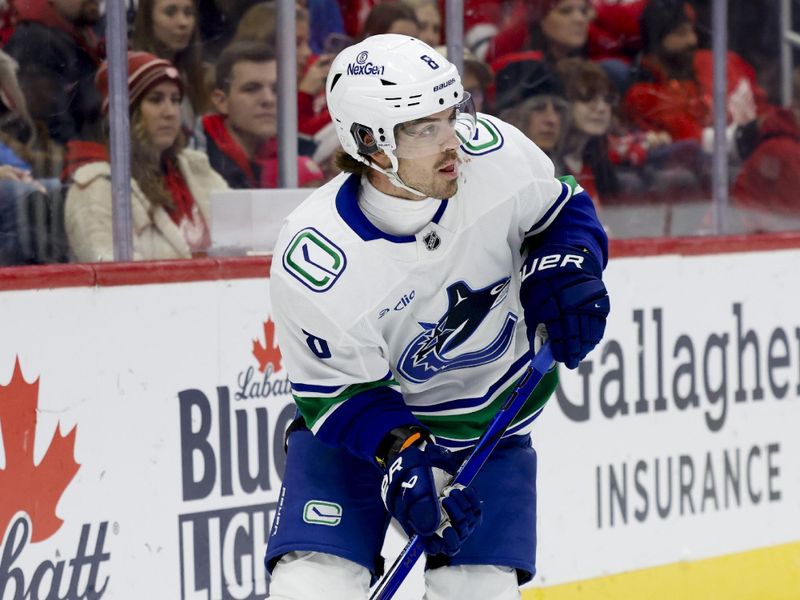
(319, 512)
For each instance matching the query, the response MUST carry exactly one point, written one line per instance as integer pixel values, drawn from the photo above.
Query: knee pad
(471, 582)
(318, 576)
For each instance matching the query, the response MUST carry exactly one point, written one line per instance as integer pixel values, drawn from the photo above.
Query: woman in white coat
(170, 183)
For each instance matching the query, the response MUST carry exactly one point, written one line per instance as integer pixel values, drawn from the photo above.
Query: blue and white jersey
(373, 325)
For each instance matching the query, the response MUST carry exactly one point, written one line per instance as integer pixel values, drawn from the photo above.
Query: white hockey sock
(471, 582)
(318, 576)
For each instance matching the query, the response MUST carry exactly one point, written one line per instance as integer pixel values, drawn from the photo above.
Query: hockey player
(407, 294)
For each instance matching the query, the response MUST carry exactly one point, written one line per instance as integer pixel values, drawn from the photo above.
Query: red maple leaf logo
(34, 489)
(267, 353)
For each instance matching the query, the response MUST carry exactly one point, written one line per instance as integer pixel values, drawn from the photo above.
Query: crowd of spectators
(617, 93)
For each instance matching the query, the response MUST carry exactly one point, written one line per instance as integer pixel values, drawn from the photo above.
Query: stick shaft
(540, 364)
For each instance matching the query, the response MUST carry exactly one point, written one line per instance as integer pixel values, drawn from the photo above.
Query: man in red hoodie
(58, 55)
(241, 137)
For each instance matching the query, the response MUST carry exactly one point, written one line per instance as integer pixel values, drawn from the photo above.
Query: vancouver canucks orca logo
(432, 351)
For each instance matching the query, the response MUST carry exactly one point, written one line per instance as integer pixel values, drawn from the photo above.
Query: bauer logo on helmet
(441, 86)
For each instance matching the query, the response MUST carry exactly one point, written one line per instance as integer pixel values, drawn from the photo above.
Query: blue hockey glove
(412, 486)
(561, 287)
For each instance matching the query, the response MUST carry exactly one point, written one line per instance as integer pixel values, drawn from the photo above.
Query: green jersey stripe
(316, 409)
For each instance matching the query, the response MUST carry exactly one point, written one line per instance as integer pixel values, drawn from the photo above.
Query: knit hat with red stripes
(144, 71)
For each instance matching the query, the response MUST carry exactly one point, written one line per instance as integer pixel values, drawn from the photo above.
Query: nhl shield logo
(432, 240)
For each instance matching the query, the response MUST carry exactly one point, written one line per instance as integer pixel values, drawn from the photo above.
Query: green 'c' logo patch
(318, 512)
(314, 260)
(486, 138)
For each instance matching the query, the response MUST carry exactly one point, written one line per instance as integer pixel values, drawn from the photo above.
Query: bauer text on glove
(561, 287)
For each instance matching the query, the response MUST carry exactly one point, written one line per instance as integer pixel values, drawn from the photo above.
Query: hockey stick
(540, 364)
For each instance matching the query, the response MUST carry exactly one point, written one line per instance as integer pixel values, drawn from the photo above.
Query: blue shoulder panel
(576, 225)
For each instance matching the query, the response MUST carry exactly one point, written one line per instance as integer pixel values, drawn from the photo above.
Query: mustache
(449, 157)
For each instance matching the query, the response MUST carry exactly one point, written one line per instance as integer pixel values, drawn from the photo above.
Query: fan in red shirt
(560, 29)
(674, 91)
(495, 28)
(557, 28)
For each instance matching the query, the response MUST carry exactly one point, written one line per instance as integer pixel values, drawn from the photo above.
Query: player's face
(427, 150)
(567, 25)
(435, 176)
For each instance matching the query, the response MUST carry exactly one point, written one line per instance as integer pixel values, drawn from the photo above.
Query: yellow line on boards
(765, 574)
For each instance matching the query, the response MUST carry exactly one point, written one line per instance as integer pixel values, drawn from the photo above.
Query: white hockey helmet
(387, 80)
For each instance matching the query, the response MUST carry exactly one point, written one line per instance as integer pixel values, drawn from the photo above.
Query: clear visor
(436, 133)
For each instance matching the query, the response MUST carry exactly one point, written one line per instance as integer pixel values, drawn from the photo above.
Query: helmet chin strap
(392, 175)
